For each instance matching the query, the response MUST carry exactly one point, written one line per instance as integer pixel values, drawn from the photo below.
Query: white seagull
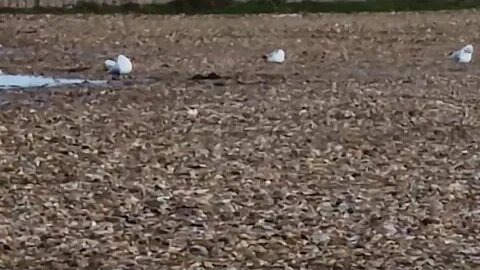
(121, 66)
(277, 56)
(463, 55)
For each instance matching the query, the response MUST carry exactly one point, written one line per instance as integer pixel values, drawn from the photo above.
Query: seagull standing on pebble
(121, 66)
(277, 56)
(463, 55)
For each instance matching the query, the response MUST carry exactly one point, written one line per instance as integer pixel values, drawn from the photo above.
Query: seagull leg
(115, 75)
(459, 67)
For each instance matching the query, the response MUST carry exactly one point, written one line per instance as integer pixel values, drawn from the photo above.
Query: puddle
(8, 81)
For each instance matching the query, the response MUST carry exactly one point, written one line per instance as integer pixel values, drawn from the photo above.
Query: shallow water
(8, 81)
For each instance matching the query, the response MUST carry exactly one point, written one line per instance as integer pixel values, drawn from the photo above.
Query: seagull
(276, 56)
(121, 66)
(463, 55)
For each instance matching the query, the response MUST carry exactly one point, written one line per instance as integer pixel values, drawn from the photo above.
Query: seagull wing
(124, 64)
(272, 55)
(276, 56)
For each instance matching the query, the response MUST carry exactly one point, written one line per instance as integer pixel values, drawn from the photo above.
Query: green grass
(257, 6)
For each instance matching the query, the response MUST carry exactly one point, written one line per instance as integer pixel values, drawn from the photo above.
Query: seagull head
(468, 48)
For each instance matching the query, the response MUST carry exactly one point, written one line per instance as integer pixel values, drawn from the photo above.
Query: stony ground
(360, 152)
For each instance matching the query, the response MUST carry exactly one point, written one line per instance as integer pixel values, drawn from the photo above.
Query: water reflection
(8, 81)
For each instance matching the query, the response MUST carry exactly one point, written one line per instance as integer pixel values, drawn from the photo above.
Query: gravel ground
(360, 152)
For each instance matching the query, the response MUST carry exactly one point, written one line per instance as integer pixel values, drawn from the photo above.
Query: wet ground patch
(9, 81)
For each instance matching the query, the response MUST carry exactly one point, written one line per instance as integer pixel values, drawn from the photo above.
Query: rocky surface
(360, 152)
